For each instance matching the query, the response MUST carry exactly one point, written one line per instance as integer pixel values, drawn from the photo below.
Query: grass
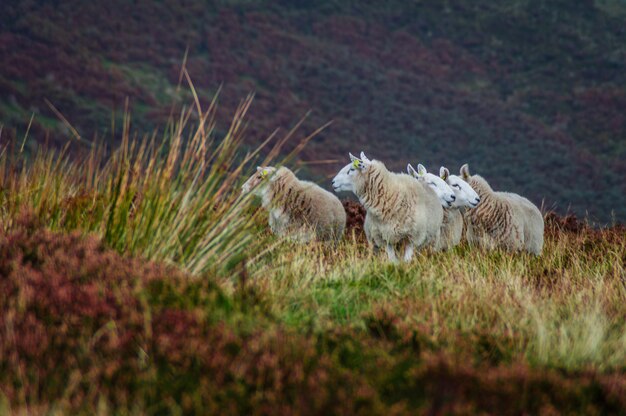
(159, 285)
(172, 200)
(562, 310)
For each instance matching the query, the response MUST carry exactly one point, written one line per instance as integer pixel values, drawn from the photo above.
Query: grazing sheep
(502, 219)
(398, 212)
(465, 198)
(298, 209)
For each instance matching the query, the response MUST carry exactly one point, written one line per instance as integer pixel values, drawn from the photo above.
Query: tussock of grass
(174, 200)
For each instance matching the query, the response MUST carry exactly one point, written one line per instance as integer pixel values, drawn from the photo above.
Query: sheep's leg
(408, 252)
(391, 253)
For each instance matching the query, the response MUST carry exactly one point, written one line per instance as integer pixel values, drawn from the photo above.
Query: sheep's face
(466, 196)
(258, 181)
(439, 186)
(466, 177)
(344, 180)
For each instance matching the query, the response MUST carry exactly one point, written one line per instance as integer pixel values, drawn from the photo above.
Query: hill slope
(530, 93)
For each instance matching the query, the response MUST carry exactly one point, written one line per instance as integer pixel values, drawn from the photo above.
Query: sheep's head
(259, 180)
(465, 195)
(439, 186)
(344, 180)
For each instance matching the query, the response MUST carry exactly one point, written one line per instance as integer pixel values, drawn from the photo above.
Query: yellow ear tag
(356, 163)
(264, 173)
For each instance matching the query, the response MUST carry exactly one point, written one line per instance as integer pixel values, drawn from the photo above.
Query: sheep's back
(531, 222)
(495, 221)
(322, 210)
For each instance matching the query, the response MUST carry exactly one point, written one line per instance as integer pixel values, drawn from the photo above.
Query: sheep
(298, 209)
(439, 186)
(452, 224)
(465, 198)
(398, 212)
(502, 219)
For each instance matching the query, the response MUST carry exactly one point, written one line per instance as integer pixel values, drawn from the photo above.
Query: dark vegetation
(529, 92)
(83, 328)
(355, 217)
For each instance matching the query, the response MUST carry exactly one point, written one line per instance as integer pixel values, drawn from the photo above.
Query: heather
(84, 329)
(138, 279)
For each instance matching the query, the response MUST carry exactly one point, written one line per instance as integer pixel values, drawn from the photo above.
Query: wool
(300, 209)
(503, 219)
(451, 229)
(399, 208)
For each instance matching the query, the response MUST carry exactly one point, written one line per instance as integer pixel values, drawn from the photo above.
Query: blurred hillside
(531, 93)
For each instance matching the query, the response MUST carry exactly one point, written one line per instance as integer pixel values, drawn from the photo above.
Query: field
(140, 281)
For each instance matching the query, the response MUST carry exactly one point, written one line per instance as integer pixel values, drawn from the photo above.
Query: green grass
(576, 323)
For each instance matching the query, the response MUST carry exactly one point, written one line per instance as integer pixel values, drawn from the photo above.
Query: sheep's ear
(259, 168)
(411, 171)
(465, 173)
(421, 170)
(364, 158)
(357, 163)
(360, 164)
(444, 173)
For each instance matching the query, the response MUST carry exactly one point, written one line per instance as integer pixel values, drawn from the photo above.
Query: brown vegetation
(82, 327)
(355, 217)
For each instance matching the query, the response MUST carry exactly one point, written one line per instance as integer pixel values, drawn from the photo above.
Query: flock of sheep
(409, 211)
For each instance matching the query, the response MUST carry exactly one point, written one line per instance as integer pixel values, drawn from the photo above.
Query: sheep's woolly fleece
(502, 219)
(451, 229)
(297, 209)
(397, 210)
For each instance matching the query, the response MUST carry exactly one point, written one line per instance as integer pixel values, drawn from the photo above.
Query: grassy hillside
(145, 283)
(530, 92)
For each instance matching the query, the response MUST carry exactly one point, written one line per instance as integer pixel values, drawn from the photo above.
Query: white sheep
(465, 198)
(439, 186)
(452, 224)
(502, 219)
(298, 209)
(398, 212)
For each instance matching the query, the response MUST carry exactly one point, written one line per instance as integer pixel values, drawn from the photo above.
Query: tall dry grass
(175, 199)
